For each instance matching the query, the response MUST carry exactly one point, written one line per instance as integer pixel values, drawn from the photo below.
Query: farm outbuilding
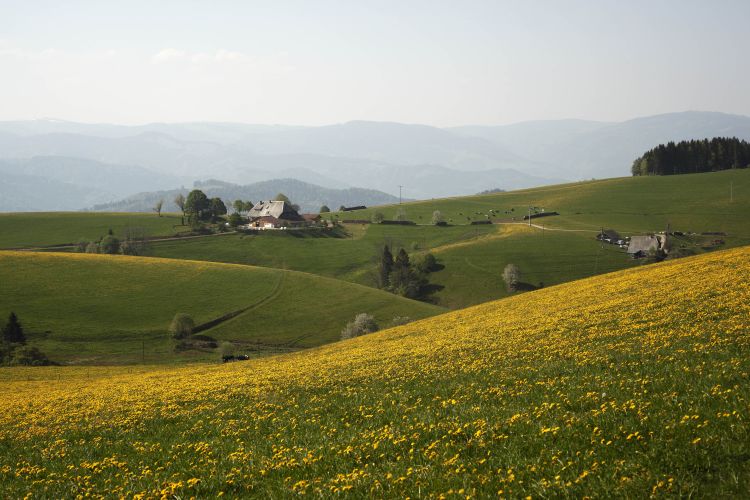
(640, 246)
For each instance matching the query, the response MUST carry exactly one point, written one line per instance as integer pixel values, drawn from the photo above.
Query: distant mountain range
(577, 149)
(308, 196)
(93, 162)
(60, 183)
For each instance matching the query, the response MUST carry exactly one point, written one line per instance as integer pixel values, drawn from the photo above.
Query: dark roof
(611, 234)
(311, 217)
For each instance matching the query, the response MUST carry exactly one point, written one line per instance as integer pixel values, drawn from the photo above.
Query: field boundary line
(226, 317)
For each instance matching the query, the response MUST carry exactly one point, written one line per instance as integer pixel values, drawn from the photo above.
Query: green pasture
(98, 309)
(717, 201)
(38, 229)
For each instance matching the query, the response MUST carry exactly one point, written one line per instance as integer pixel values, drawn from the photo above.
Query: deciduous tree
(179, 200)
(158, 206)
(182, 326)
(511, 277)
(196, 205)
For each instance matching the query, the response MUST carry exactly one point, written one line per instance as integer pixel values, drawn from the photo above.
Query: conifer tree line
(694, 156)
(404, 276)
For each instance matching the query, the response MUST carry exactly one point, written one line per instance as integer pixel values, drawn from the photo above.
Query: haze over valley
(60, 165)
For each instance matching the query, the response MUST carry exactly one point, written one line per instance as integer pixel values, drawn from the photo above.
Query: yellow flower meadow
(633, 384)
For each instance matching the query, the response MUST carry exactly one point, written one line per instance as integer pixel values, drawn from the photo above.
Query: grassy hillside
(29, 229)
(474, 256)
(111, 309)
(631, 384)
(694, 202)
(347, 254)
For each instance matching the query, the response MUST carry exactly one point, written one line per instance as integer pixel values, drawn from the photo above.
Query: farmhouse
(640, 246)
(279, 209)
(273, 215)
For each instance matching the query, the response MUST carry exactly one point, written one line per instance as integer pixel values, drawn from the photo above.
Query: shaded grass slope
(629, 384)
(114, 309)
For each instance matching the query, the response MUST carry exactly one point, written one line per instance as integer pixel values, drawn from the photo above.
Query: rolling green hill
(630, 385)
(474, 256)
(95, 309)
(693, 202)
(38, 229)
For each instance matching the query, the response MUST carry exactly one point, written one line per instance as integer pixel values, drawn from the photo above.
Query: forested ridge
(694, 156)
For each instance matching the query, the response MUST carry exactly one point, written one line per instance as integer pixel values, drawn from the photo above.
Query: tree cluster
(133, 242)
(241, 206)
(402, 276)
(694, 156)
(200, 208)
(13, 348)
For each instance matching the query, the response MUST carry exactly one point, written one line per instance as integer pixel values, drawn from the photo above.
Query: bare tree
(511, 276)
(158, 206)
(179, 200)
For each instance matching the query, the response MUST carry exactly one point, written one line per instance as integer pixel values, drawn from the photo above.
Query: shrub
(235, 219)
(378, 217)
(29, 356)
(437, 217)
(182, 326)
(81, 246)
(92, 247)
(109, 245)
(363, 324)
(426, 263)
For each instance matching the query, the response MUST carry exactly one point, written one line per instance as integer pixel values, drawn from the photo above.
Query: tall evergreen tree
(385, 266)
(13, 331)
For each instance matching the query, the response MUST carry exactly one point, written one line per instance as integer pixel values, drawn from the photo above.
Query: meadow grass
(32, 229)
(632, 384)
(692, 202)
(350, 255)
(115, 309)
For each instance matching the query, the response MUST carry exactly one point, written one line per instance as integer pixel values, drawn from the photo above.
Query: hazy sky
(319, 62)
